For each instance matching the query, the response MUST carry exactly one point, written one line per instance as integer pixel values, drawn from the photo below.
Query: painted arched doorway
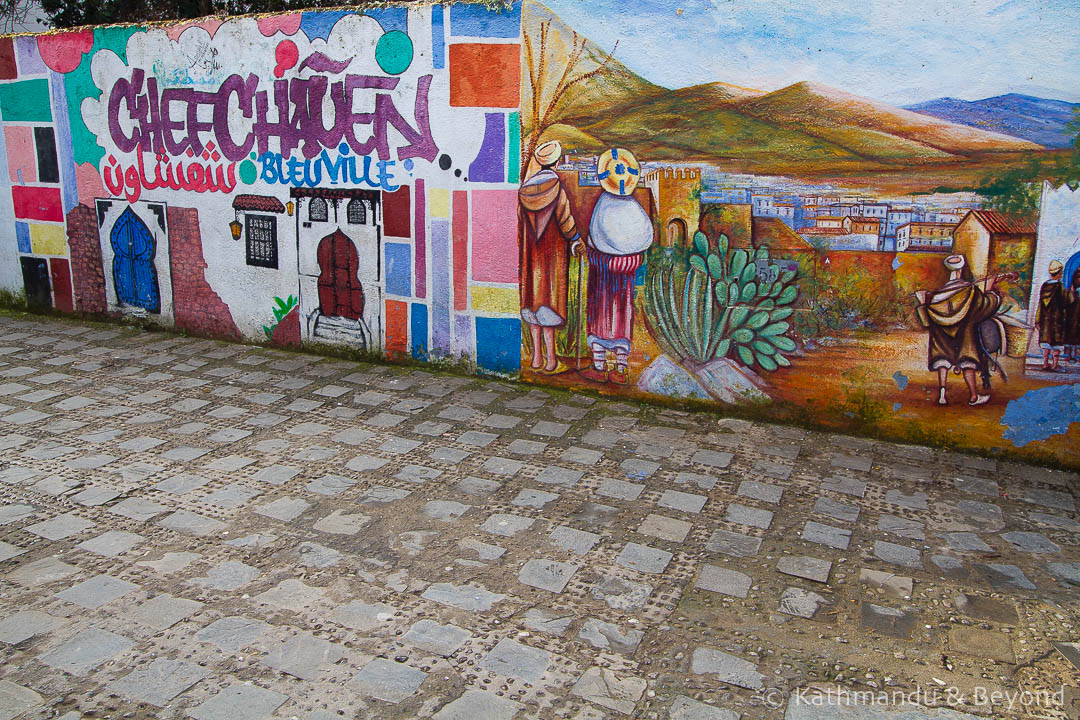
(134, 274)
(676, 233)
(340, 291)
(1071, 266)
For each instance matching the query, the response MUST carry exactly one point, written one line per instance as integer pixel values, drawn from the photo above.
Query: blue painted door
(134, 273)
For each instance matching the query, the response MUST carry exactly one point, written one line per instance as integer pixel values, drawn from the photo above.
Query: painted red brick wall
(86, 271)
(197, 308)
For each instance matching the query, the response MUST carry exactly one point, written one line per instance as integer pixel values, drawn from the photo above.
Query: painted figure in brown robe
(1050, 317)
(954, 312)
(550, 238)
(1072, 318)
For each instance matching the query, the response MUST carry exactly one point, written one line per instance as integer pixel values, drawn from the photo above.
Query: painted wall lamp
(235, 227)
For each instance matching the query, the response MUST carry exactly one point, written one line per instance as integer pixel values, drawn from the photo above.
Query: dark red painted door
(340, 292)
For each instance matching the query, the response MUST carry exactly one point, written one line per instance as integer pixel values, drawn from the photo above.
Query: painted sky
(898, 51)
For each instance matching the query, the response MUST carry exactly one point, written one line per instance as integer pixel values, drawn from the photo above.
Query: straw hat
(548, 153)
(1056, 267)
(618, 171)
(955, 262)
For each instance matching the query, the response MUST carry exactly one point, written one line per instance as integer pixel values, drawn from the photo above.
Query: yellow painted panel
(48, 239)
(439, 200)
(495, 299)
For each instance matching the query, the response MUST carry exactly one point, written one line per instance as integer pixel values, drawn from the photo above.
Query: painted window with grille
(318, 210)
(356, 212)
(261, 240)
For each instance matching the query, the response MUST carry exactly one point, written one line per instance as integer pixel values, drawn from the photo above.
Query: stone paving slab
(160, 682)
(16, 700)
(86, 651)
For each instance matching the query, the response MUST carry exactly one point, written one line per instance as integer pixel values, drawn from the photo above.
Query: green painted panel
(513, 170)
(26, 101)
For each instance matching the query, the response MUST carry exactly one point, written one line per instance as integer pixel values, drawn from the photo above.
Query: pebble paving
(193, 529)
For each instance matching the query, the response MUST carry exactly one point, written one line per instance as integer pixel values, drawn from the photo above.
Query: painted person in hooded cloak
(550, 238)
(1050, 317)
(1072, 318)
(953, 314)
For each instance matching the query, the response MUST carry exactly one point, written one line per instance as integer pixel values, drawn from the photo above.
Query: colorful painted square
(463, 336)
(22, 236)
(475, 20)
(26, 101)
(397, 212)
(398, 266)
(45, 149)
(48, 239)
(494, 228)
(485, 75)
(498, 343)
(60, 271)
(440, 286)
(461, 249)
(487, 299)
(28, 57)
(438, 38)
(439, 202)
(420, 242)
(21, 156)
(397, 328)
(37, 203)
(490, 162)
(418, 331)
(390, 18)
(513, 167)
(8, 68)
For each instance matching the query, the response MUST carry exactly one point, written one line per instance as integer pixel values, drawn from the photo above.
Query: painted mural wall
(772, 206)
(338, 178)
(693, 202)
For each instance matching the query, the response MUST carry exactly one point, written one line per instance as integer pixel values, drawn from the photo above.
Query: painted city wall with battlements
(840, 234)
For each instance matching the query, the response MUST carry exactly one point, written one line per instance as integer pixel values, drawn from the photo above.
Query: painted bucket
(1017, 334)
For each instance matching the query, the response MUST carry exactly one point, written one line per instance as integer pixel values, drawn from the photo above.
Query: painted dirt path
(195, 529)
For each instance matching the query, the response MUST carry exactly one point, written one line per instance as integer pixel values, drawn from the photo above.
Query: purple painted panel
(420, 241)
(463, 336)
(440, 287)
(490, 162)
(28, 57)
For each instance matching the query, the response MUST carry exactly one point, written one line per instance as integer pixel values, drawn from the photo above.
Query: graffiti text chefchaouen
(160, 125)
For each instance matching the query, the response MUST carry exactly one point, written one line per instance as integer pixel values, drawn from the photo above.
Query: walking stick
(580, 312)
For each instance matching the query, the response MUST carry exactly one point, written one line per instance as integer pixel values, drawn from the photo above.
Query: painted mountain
(812, 126)
(1039, 120)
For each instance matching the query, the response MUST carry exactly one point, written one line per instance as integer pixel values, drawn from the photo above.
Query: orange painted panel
(397, 328)
(485, 75)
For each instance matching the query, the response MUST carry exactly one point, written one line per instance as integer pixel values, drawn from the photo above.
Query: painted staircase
(341, 331)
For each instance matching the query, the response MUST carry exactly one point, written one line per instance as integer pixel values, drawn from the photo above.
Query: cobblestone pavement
(195, 529)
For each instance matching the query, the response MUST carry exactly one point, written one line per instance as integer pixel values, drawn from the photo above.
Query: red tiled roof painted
(997, 222)
(259, 203)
